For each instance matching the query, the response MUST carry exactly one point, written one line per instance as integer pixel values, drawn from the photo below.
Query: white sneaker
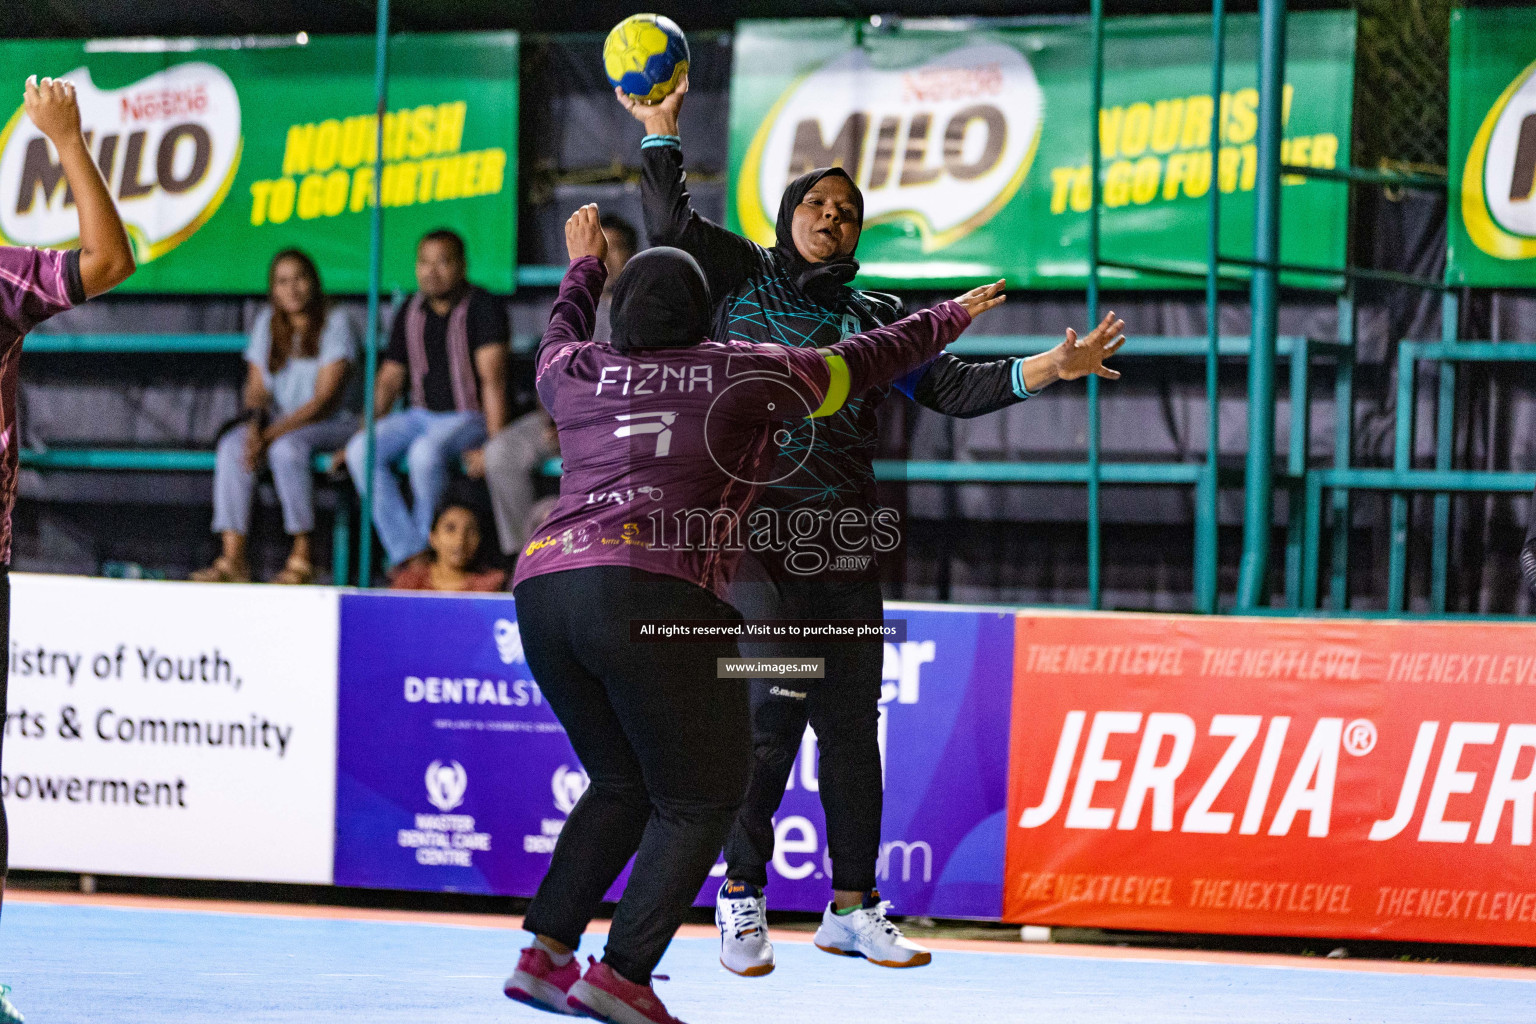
(868, 933)
(8, 1013)
(741, 912)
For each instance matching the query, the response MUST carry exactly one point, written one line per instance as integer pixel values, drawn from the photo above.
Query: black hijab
(823, 282)
(660, 300)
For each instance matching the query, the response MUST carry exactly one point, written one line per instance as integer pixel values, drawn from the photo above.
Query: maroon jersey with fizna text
(34, 285)
(667, 449)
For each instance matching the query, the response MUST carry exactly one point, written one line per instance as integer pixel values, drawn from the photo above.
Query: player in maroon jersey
(34, 285)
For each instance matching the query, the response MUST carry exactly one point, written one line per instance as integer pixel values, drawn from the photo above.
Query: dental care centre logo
(445, 839)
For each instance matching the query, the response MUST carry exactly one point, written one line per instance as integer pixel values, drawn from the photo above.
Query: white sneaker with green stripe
(865, 931)
(8, 1012)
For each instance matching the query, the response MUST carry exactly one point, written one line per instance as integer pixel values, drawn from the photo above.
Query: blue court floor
(72, 964)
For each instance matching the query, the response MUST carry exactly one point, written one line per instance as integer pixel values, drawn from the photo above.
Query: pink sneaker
(605, 994)
(540, 984)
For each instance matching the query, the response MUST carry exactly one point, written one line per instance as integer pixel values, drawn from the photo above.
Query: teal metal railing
(134, 344)
(1303, 483)
(76, 458)
(1402, 480)
(161, 460)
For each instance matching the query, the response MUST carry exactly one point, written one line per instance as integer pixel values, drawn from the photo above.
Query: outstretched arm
(877, 357)
(956, 388)
(726, 258)
(106, 258)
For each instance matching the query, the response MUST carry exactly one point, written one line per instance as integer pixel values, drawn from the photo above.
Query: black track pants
(844, 711)
(667, 747)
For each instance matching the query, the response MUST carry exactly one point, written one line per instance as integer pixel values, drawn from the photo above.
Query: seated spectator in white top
(297, 364)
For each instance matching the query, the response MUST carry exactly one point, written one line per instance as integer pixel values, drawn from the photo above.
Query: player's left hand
(51, 106)
(978, 300)
(1078, 357)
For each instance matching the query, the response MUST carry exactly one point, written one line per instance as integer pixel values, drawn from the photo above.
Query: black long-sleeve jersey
(823, 463)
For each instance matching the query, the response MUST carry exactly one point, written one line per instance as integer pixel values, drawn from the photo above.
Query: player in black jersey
(1528, 552)
(797, 293)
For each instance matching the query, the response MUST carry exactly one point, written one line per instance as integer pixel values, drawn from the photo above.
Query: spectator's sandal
(296, 572)
(223, 570)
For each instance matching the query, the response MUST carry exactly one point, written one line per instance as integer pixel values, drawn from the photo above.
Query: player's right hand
(51, 106)
(658, 118)
(1078, 357)
(584, 234)
(978, 300)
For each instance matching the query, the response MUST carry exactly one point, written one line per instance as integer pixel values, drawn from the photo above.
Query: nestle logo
(156, 104)
(935, 85)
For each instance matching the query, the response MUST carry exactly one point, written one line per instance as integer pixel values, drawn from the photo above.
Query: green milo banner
(971, 143)
(221, 155)
(1492, 153)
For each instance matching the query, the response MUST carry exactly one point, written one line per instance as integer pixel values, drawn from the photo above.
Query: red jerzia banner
(1282, 777)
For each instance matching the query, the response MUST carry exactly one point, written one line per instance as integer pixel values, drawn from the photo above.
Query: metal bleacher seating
(75, 458)
(1300, 351)
(154, 460)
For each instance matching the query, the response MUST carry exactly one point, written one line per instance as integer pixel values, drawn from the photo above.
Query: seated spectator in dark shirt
(454, 563)
(448, 354)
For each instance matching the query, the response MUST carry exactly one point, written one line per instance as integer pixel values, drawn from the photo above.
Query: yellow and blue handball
(646, 55)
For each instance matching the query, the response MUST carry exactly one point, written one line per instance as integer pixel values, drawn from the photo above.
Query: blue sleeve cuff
(1017, 376)
(651, 141)
(908, 384)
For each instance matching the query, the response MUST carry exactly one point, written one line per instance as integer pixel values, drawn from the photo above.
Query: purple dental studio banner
(454, 775)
